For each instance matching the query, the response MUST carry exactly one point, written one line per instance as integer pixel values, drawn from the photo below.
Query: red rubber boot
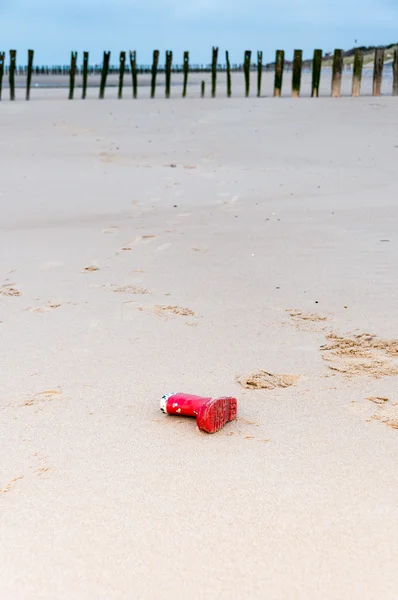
(211, 413)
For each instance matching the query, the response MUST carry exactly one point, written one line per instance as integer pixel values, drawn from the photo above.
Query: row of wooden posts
(64, 70)
(337, 70)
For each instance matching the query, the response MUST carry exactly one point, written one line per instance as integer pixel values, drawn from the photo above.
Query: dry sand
(269, 205)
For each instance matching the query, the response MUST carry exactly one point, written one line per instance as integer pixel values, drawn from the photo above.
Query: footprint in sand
(302, 316)
(112, 158)
(197, 249)
(9, 291)
(106, 157)
(166, 311)
(174, 310)
(42, 468)
(361, 354)
(267, 381)
(137, 240)
(298, 315)
(127, 289)
(387, 412)
(10, 485)
(43, 309)
(43, 397)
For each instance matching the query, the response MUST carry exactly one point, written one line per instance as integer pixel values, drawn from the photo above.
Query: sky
(55, 27)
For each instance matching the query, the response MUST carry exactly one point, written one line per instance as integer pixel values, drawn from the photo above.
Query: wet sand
(156, 246)
(42, 85)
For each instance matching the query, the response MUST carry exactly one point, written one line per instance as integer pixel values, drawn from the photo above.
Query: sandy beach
(157, 246)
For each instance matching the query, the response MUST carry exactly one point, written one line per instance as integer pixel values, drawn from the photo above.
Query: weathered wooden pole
(279, 64)
(72, 74)
(154, 72)
(85, 74)
(202, 89)
(337, 71)
(169, 61)
(378, 71)
(316, 73)
(259, 72)
(2, 61)
(122, 60)
(229, 91)
(29, 74)
(104, 74)
(357, 73)
(133, 65)
(246, 69)
(214, 71)
(186, 71)
(11, 74)
(296, 77)
(395, 74)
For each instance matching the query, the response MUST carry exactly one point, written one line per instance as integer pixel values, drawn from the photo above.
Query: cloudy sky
(55, 27)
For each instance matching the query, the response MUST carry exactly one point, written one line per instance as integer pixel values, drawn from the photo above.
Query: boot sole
(216, 413)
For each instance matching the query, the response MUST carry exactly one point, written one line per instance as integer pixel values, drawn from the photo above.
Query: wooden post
(259, 72)
(395, 74)
(316, 73)
(279, 64)
(154, 72)
(104, 74)
(246, 69)
(202, 89)
(296, 77)
(229, 92)
(72, 74)
(378, 71)
(11, 75)
(29, 75)
(357, 73)
(214, 72)
(337, 73)
(169, 60)
(2, 61)
(85, 74)
(186, 71)
(121, 74)
(133, 65)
